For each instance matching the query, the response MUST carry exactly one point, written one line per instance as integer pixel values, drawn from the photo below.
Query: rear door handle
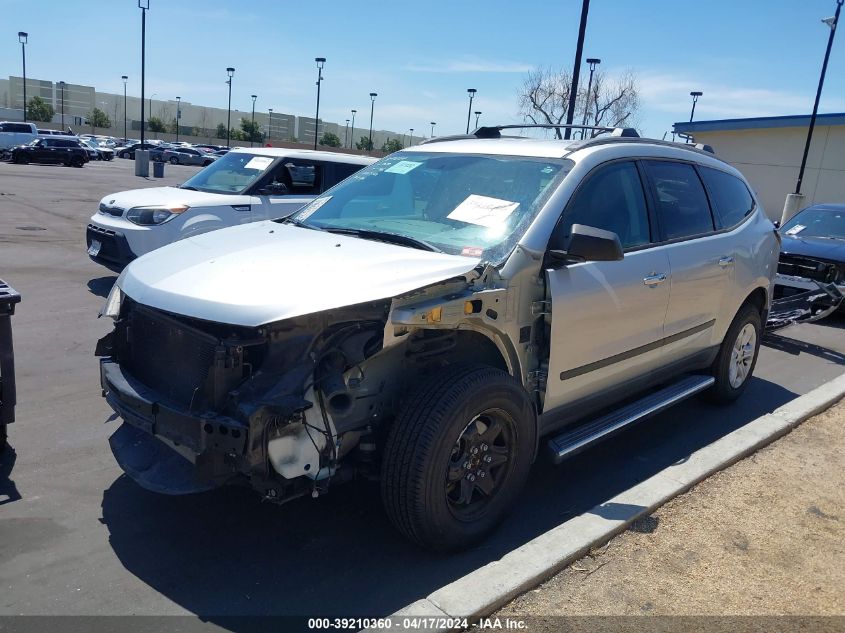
(654, 279)
(726, 261)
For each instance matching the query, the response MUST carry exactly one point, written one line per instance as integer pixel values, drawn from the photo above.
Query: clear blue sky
(749, 58)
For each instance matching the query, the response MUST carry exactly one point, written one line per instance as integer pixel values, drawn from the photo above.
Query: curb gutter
(484, 590)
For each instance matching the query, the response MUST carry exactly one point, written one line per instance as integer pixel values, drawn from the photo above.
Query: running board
(570, 442)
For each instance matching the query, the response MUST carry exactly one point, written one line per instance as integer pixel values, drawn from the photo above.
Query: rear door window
(680, 200)
(731, 198)
(306, 178)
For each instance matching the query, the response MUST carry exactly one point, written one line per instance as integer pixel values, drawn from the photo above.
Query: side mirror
(777, 224)
(589, 244)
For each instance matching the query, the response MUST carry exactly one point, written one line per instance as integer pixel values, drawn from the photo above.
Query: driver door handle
(726, 261)
(654, 279)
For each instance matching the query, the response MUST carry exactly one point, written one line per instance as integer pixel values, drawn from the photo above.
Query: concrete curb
(484, 590)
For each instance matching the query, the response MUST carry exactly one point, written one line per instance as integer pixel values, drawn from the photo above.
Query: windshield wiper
(188, 187)
(382, 236)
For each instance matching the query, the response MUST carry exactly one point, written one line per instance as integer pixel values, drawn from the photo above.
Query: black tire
(77, 161)
(728, 387)
(206, 163)
(22, 159)
(431, 442)
(174, 160)
(4, 437)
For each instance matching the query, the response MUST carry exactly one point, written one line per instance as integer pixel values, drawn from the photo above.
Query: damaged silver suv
(429, 320)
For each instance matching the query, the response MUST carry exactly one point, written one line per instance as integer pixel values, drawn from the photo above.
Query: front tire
(22, 159)
(174, 160)
(737, 356)
(457, 456)
(77, 161)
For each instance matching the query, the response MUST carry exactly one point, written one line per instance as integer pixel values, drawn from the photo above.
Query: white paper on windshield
(309, 209)
(795, 230)
(483, 211)
(259, 162)
(402, 167)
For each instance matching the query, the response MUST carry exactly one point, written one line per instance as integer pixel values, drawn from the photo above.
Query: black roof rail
(496, 131)
(700, 148)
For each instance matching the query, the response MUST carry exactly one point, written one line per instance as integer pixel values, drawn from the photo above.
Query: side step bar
(572, 441)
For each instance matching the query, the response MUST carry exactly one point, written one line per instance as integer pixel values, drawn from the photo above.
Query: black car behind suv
(66, 151)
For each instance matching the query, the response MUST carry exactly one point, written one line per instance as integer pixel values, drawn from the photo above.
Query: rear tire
(77, 161)
(734, 365)
(457, 456)
(4, 437)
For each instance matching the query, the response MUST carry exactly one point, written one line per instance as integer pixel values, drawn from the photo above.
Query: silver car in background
(187, 156)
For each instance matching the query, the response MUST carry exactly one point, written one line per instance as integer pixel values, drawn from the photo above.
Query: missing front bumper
(809, 301)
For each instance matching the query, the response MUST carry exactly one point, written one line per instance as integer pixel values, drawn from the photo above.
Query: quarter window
(731, 197)
(612, 199)
(682, 207)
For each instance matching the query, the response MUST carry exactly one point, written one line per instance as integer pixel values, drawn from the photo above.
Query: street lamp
(832, 23)
(477, 114)
(593, 62)
(144, 5)
(471, 92)
(695, 94)
(346, 133)
(252, 131)
(433, 123)
(320, 61)
(352, 131)
(411, 138)
(62, 87)
(22, 37)
(373, 96)
(270, 124)
(229, 71)
(125, 79)
(178, 115)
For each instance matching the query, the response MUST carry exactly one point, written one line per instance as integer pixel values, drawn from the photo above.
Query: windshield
(828, 223)
(234, 173)
(462, 204)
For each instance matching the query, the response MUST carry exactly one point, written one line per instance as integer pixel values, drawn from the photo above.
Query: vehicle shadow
(797, 347)
(8, 490)
(224, 553)
(101, 286)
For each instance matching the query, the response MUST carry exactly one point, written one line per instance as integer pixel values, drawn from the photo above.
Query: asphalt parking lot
(77, 537)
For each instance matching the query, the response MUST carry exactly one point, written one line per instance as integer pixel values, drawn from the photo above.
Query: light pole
(695, 94)
(252, 131)
(471, 92)
(270, 124)
(229, 71)
(144, 5)
(352, 131)
(593, 62)
(477, 114)
(62, 87)
(178, 115)
(346, 133)
(320, 61)
(576, 72)
(23, 37)
(370, 143)
(831, 22)
(433, 123)
(125, 79)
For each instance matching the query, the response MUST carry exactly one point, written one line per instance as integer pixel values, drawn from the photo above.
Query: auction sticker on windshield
(795, 230)
(259, 162)
(483, 210)
(310, 209)
(402, 167)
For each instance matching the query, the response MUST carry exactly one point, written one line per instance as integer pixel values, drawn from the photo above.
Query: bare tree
(544, 98)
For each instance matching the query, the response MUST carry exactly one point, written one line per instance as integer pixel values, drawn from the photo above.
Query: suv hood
(263, 272)
(170, 195)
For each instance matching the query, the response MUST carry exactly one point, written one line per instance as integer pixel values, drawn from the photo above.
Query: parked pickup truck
(429, 319)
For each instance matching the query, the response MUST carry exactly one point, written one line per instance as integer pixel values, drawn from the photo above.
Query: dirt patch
(764, 537)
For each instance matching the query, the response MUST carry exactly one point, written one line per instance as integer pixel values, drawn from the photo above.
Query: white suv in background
(245, 185)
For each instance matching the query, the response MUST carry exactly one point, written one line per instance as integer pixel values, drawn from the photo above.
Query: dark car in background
(51, 150)
(8, 299)
(129, 150)
(811, 269)
(187, 156)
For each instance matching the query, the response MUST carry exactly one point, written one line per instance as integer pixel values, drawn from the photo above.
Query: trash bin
(8, 299)
(158, 169)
